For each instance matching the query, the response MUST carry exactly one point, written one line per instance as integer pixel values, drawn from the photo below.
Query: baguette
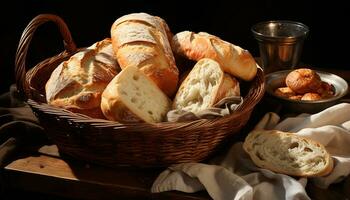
(233, 59)
(288, 153)
(77, 84)
(141, 40)
(205, 85)
(132, 97)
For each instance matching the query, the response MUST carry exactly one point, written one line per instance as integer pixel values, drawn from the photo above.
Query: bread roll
(233, 59)
(326, 90)
(77, 84)
(296, 97)
(141, 40)
(303, 80)
(204, 86)
(133, 97)
(311, 97)
(288, 153)
(284, 92)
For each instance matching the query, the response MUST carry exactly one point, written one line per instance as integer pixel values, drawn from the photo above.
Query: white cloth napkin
(235, 176)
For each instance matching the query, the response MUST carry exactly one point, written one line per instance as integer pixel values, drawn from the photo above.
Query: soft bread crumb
(198, 91)
(288, 153)
(131, 94)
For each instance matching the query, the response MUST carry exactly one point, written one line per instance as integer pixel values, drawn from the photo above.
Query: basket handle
(26, 38)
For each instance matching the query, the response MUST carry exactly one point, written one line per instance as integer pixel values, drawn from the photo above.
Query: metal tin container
(280, 43)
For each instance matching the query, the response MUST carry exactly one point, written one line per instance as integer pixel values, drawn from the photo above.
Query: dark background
(90, 21)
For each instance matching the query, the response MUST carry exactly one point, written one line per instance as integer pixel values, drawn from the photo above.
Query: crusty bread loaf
(233, 59)
(133, 97)
(288, 153)
(141, 40)
(77, 84)
(204, 86)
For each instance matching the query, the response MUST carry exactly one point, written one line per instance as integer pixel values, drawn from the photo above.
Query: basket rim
(31, 92)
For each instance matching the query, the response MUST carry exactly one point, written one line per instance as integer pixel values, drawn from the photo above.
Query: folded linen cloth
(224, 107)
(235, 176)
(18, 124)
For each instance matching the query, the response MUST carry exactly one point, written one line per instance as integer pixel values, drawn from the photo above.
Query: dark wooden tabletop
(43, 174)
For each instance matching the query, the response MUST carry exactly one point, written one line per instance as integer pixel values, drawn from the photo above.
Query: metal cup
(280, 43)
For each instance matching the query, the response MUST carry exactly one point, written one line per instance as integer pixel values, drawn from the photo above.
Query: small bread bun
(288, 153)
(284, 92)
(296, 97)
(311, 97)
(303, 80)
(326, 90)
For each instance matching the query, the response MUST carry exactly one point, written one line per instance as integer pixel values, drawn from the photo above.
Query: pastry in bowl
(306, 85)
(333, 88)
(285, 92)
(303, 80)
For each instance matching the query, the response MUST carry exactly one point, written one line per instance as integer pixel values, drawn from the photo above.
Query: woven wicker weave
(114, 144)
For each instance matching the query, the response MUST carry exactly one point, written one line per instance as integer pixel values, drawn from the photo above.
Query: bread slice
(204, 86)
(288, 153)
(133, 97)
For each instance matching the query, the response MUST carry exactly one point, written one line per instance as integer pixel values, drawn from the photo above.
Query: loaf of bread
(233, 59)
(133, 97)
(141, 40)
(204, 86)
(77, 84)
(288, 153)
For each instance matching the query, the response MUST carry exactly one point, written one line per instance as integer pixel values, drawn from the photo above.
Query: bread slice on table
(141, 40)
(133, 97)
(232, 58)
(288, 153)
(204, 86)
(77, 84)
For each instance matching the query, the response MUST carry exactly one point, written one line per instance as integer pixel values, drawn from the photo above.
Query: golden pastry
(311, 97)
(326, 90)
(296, 97)
(303, 80)
(284, 92)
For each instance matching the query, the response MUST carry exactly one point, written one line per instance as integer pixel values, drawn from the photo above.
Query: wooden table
(43, 174)
(46, 173)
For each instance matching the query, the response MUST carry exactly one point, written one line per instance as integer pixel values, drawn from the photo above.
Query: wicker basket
(114, 144)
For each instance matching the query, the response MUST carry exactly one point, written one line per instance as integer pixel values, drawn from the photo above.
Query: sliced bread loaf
(133, 97)
(204, 86)
(288, 153)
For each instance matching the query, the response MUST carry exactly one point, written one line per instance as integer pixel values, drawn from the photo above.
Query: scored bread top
(288, 153)
(205, 85)
(141, 40)
(132, 97)
(232, 58)
(77, 84)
